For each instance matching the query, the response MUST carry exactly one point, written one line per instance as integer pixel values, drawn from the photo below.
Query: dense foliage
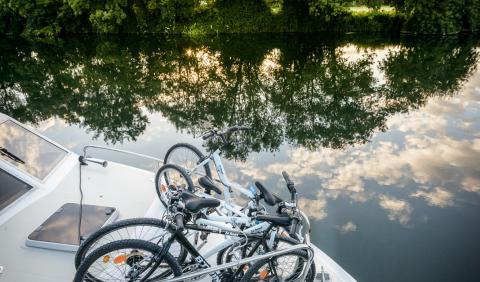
(54, 17)
(269, 82)
(440, 16)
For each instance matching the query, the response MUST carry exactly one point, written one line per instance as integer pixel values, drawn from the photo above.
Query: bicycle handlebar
(290, 186)
(236, 128)
(213, 132)
(207, 134)
(287, 178)
(293, 228)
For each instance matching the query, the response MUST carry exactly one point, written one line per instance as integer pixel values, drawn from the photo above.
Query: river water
(381, 134)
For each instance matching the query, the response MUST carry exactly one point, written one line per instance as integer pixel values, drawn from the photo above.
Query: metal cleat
(322, 276)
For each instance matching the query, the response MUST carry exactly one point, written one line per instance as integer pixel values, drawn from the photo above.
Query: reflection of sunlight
(34, 55)
(97, 61)
(270, 62)
(350, 52)
(207, 58)
(143, 61)
(202, 72)
(353, 53)
(75, 71)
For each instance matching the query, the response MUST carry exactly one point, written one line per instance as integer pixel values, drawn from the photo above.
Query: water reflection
(431, 154)
(304, 91)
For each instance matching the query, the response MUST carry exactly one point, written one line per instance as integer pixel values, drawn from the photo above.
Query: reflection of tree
(310, 98)
(86, 84)
(299, 90)
(423, 68)
(331, 103)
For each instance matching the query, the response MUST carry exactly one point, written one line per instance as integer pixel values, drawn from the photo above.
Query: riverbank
(196, 18)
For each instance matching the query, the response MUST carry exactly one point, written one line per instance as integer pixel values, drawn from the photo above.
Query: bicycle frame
(256, 232)
(217, 161)
(259, 231)
(241, 262)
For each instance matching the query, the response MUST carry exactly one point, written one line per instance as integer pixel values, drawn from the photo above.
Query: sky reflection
(432, 153)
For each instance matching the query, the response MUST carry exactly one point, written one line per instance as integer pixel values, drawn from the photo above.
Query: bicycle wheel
(286, 267)
(232, 253)
(147, 229)
(171, 177)
(126, 260)
(188, 156)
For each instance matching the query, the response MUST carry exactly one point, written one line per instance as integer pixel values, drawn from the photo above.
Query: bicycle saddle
(207, 183)
(194, 203)
(277, 220)
(270, 198)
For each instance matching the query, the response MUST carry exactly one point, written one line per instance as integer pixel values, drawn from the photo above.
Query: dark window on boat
(11, 188)
(28, 151)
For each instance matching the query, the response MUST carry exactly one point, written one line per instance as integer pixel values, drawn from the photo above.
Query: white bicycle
(197, 168)
(226, 212)
(183, 160)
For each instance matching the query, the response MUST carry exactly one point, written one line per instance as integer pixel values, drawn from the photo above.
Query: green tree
(440, 16)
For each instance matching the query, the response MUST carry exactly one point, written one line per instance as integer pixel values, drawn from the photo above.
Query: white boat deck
(129, 189)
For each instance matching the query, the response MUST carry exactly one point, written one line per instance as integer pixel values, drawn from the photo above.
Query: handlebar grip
(207, 135)
(237, 128)
(287, 178)
(293, 228)
(179, 222)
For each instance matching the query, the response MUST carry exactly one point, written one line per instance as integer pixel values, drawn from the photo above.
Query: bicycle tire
(224, 256)
(95, 237)
(161, 171)
(82, 272)
(257, 265)
(192, 148)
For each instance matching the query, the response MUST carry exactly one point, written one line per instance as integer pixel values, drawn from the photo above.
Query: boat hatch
(60, 230)
(27, 151)
(11, 188)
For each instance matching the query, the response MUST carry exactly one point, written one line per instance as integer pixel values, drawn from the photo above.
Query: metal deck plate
(60, 230)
